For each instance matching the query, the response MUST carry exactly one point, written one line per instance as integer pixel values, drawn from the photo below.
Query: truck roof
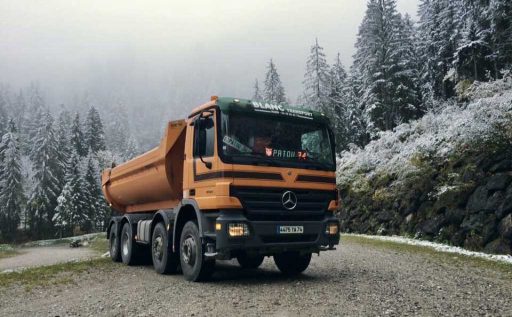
(227, 104)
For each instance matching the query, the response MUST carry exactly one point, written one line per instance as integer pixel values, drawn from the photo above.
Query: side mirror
(201, 124)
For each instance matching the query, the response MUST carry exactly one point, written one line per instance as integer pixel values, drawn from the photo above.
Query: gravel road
(356, 280)
(30, 257)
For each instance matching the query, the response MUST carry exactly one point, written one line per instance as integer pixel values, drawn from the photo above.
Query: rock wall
(464, 201)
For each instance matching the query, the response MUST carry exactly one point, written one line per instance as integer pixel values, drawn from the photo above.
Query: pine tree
(378, 63)
(274, 90)
(132, 149)
(500, 12)
(316, 79)
(63, 132)
(47, 167)
(77, 137)
(337, 109)
(94, 134)
(257, 93)
(71, 210)
(12, 198)
(96, 207)
(439, 36)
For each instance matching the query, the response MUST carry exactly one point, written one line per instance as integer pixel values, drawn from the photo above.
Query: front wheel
(193, 263)
(164, 260)
(292, 263)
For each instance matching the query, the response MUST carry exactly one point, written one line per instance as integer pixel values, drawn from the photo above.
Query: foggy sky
(169, 52)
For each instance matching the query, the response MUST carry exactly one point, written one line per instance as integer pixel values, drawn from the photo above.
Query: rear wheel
(193, 263)
(292, 263)
(129, 249)
(164, 260)
(249, 261)
(114, 244)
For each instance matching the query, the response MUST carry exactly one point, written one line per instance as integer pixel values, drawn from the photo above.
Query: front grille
(289, 238)
(265, 203)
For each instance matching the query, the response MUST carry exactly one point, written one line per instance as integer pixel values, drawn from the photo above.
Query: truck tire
(292, 263)
(129, 249)
(249, 261)
(193, 263)
(115, 246)
(164, 260)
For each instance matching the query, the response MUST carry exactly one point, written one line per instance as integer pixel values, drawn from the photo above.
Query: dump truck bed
(151, 181)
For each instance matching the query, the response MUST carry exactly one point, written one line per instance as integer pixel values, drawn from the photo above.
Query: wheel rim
(188, 250)
(125, 244)
(158, 248)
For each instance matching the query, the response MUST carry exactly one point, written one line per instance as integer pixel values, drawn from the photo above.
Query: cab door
(202, 162)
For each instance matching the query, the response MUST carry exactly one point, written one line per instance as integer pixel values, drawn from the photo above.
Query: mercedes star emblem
(289, 200)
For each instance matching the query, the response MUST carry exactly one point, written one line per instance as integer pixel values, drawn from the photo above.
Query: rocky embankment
(446, 177)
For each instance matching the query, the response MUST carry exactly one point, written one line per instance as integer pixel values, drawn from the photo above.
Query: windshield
(275, 140)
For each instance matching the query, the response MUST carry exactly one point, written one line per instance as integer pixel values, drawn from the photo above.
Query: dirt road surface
(39, 256)
(355, 280)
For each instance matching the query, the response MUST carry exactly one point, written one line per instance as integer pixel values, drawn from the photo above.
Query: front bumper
(264, 237)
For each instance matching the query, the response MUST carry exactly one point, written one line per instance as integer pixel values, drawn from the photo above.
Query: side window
(204, 137)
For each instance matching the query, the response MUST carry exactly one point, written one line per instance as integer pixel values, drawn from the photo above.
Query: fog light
(238, 230)
(331, 229)
(218, 226)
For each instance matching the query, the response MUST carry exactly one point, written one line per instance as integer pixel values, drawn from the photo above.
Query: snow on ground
(437, 246)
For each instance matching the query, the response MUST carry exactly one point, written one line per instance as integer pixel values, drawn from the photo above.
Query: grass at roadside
(99, 244)
(7, 251)
(450, 258)
(57, 274)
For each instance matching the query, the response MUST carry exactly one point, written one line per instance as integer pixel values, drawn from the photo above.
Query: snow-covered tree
(257, 92)
(438, 38)
(378, 61)
(94, 134)
(77, 137)
(274, 90)
(316, 79)
(337, 103)
(96, 206)
(71, 210)
(12, 198)
(500, 13)
(47, 167)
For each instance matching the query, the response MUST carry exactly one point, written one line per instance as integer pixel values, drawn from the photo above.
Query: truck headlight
(238, 230)
(331, 229)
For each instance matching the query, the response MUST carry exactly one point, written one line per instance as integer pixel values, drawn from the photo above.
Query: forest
(404, 69)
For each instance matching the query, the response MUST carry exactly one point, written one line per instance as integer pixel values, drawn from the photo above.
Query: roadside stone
(505, 227)
(478, 199)
(498, 246)
(505, 165)
(499, 181)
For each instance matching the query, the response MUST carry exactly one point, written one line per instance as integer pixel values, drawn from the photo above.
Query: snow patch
(438, 247)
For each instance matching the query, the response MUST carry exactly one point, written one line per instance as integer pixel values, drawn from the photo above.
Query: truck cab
(257, 179)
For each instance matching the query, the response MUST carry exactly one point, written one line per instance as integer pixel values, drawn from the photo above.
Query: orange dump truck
(236, 179)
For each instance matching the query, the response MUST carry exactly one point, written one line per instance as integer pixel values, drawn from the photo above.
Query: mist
(168, 53)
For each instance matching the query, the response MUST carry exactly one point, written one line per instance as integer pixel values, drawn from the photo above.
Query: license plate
(290, 229)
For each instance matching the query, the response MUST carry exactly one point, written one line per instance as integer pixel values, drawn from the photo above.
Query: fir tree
(94, 134)
(96, 207)
(316, 79)
(378, 63)
(12, 197)
(47, 167)
(257, 92)
(337, 102)
(274, 90)
(71, 210)
(63, 132)
(77, 137)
